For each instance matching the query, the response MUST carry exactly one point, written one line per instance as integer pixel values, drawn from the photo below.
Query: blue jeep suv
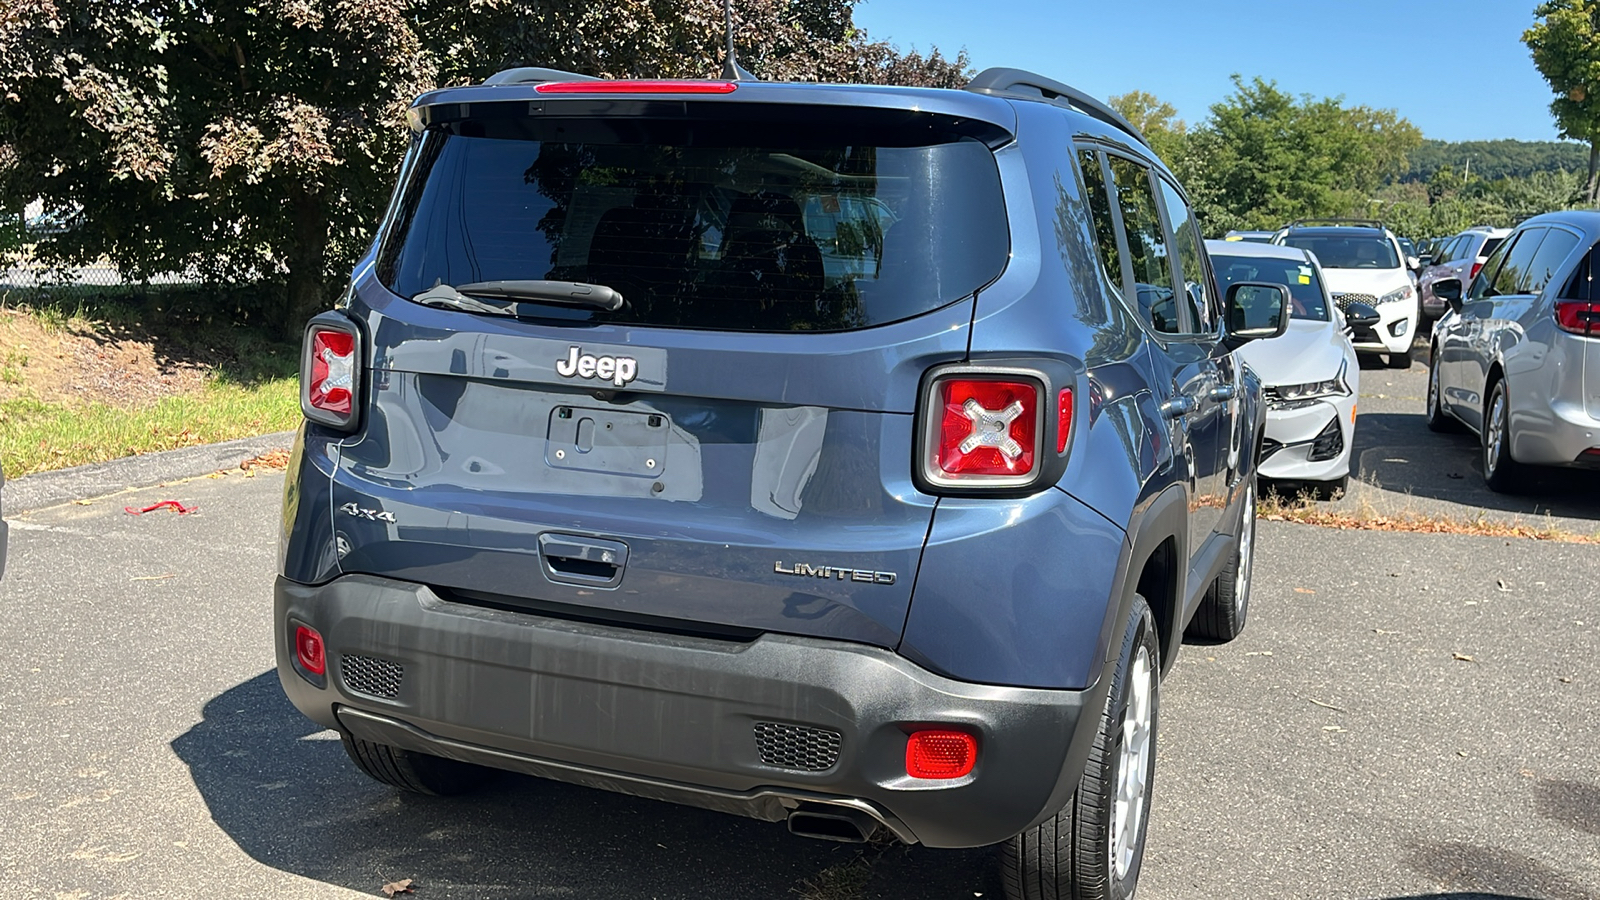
(854, 457)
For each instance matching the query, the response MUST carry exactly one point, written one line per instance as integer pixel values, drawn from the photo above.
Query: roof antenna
(731, 70)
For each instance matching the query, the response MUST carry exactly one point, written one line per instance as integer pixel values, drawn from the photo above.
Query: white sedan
(1309, 375)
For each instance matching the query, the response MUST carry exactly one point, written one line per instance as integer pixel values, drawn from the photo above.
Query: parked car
(606, 479)
(1517, 360)
(1460, 257)
(1362, 263)
(1309, 376)
(1257, 237)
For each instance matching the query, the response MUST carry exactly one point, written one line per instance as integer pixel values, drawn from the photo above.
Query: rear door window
(1186, 234)
(1512, 276)
(752, 224)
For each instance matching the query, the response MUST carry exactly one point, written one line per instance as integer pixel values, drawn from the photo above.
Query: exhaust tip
(843, 825)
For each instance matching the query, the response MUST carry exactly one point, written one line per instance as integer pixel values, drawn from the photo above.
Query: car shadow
(282, 789)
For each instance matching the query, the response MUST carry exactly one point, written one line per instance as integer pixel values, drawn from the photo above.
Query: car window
(1347, 251)
(1147, 245)
(1557, 245)
(1305, 288)
(1186, 233)
(1513, 272)
(772, 227)
(1480, 284)
(1489, 246)
(1105, 231)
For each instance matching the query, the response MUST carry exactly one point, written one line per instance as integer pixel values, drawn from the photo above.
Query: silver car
(1517, 359)
(1460, 257)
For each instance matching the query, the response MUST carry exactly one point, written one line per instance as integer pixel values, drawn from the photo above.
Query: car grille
(797, 746)
(1343, 301)
(373, 677)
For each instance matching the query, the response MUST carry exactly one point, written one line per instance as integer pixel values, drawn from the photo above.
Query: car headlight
(1298, 394)
(1397, 295)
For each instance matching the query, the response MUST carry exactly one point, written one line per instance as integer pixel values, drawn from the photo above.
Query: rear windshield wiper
(566, 293)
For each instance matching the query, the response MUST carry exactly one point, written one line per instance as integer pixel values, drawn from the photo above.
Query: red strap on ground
(165, 504)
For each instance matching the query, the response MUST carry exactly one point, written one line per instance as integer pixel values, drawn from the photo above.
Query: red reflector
(987, 427)
(940, 754)
(1577, 316)
(332, 370)
(1476, 267)
(624, 86)
(1063, 419)
(308, 650)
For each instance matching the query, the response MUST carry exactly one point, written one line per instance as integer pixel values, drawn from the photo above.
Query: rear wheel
(1503, 473)
(1093, 849)
(1438, 420)
(418, 773)
(1221, 614)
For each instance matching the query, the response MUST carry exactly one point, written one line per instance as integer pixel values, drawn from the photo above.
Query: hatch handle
(582, 561)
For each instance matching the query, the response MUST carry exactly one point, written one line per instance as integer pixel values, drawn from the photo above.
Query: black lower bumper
(755, 727)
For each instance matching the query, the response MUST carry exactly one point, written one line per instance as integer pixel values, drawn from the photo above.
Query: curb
(98, 479)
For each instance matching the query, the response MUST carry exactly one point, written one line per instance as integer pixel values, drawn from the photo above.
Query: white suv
(1363, 263)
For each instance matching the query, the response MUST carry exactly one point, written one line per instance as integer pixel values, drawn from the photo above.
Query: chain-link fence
(26, 281)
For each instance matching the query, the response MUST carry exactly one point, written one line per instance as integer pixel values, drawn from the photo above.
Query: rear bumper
(1555, 435)
(674, 717)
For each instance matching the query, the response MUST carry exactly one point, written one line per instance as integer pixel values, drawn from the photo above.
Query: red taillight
(330, 372)
(1476, 268)
(308, 650)
(623, 86)
(988, 427)
(1063, 419)
(1578, 316)
(940, 754)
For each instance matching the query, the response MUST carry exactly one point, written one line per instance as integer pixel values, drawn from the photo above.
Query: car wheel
(1438, 420)
(418, 773)
(1093, 848)
(1222, 611)
(1503, 473)
(1400, 360)
(1327, 490)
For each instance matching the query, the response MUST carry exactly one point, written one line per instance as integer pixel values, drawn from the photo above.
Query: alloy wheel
(1494, 431)
(1136, 759)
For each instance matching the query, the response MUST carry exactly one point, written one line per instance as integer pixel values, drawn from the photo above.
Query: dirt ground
(82, 362)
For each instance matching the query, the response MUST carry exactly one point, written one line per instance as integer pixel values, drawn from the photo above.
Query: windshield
(1305, 288)
(749, 225)
(1346, 251)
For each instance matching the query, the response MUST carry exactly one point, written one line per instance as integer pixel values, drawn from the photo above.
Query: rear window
(733, 225)
(1305, 288)
(1489, 246)
(1346, 252)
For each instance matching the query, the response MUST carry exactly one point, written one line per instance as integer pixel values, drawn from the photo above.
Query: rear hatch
(728, 452)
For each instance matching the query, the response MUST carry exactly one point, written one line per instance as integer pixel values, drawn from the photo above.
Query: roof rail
(1023, 84)
(534, 75)
(1335, 221)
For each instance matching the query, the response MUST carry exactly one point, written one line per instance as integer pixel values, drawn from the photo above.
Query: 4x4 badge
(809, 571)
(619, 370)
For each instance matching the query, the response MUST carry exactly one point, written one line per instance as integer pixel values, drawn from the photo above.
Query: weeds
(1366, 517)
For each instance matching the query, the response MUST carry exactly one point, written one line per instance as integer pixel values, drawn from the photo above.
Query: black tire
(418, 773)
(1400, 360)
(1221, 614)
(1069, 855)
(1503, 474)
(1433, 411)
(1327, 490)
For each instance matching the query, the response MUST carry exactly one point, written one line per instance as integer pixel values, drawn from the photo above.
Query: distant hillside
(1497, 159)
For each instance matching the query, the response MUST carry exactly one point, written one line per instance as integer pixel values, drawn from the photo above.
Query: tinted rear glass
(1305, 288)
(1490, 245)
(737, 225)
(1347, 251)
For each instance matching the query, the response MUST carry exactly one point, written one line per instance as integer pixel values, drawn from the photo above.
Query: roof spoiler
(1022, 84)
(534, 75)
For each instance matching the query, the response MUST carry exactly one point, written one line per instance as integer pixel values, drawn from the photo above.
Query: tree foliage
(1565, 44)
(256, 140)
(1495, 159)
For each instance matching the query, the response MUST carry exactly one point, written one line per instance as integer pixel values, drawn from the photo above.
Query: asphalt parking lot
(1406, 716)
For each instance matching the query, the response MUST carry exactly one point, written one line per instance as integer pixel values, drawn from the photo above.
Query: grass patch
(37, 436)
(1305, 510)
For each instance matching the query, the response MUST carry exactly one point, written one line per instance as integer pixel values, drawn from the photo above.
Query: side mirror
(1449, 290)
(1360, 315)
(1255, 310)
(1413, 263)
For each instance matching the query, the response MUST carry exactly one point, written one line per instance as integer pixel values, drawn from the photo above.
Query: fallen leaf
(272, 459)
(1381, 631)
(403, 886)
(1461, 753)
(83, 502)
(1462, 657)
(1564, 679)
(1304, 591)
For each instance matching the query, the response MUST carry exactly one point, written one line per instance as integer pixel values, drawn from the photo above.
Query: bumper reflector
(941, 754)
(308, 650)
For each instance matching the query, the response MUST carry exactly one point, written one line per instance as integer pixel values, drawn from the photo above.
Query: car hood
(1376, 282)
(1307, 351)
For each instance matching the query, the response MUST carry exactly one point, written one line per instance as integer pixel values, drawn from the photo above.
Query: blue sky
(1456, 68)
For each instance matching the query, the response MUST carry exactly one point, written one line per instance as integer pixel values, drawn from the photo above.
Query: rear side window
(754, 225)
(1490, 245)
(1105, 231)
(1555, 249)
(1147, 245)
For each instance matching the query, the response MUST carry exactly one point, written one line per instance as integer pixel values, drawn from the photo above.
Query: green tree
(257, 140)
(1156, 119)
(1565, 44)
